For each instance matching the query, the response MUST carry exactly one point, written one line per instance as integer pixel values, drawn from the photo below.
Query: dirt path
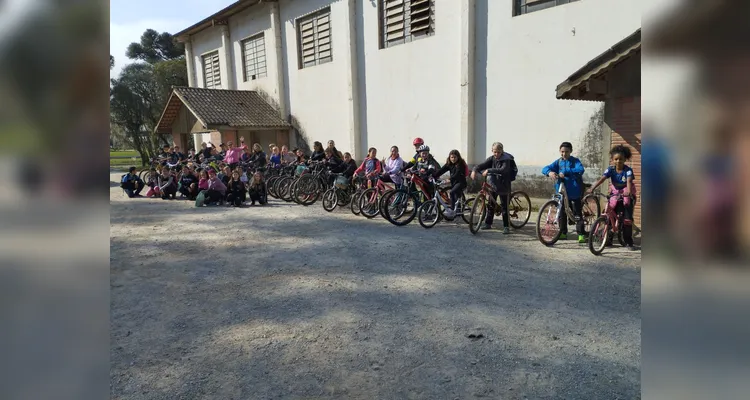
(293, 302)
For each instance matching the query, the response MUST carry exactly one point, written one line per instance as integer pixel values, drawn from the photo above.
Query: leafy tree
(155, 47)
(138, 97)
(111, 62)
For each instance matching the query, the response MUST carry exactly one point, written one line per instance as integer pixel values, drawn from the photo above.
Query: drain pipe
(280, 84)
(352, 82)
(468, 55)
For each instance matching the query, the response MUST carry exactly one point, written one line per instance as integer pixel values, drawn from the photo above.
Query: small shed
(196, 115)
(614, 77)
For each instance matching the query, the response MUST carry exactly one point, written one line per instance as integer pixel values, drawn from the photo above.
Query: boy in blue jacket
(569, 170)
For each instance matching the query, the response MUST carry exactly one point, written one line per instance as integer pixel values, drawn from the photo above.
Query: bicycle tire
(465, 213)
(429, 208)
(343, 197)
(354, 205)
(402, 217)
(519, 211)
(367, 207)
(478, 214)
(271, 185)
(381, 204)
(329, 200)
(596, 228)
(546, 212)
(590, 210)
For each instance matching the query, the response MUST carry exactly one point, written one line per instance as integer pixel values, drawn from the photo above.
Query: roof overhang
(172, 110)
(585, 84)
(219, 18)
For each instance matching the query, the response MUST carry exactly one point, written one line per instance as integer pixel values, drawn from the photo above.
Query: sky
(130, 18)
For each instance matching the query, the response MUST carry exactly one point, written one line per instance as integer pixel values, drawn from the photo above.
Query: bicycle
(547, 223)
(370, 199)
(519, 207)
(400, 206)
(339, 194)
(605, 227)
(433, 210)
(361, 185)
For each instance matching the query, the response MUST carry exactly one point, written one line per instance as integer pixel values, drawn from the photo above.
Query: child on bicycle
(500, 164)
(569, 170)
(392, 168)
(426, 167)
(458, 169)
(621, 183)
(370, 167)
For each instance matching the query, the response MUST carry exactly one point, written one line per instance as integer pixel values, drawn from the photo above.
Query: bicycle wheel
(382, 205)
(271, 185)
(590, 210)
(466, 211)
(329, 200)
(519, 209)
(547, 227)
(369, 203)
(355, 203)
(428, 214)
(343, 197)
(600, 232)
(285, 188)
(478, 214)
(400, 207)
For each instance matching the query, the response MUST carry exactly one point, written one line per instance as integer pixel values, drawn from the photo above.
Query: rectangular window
(211, 71)
(314, 38)
(521, 7)
(253, 57)
(403, 21)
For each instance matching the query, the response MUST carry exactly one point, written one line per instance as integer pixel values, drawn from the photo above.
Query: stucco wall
(205, 42)
(520, 61)
(246, 24)
(317, 95)
(412, 89)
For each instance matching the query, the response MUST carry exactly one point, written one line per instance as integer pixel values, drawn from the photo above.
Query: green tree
(155, 47)
(111, 62)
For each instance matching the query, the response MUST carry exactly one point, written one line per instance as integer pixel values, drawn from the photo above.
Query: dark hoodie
(502, 166)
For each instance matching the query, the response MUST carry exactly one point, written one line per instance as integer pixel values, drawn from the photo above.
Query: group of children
(205, 186)
(232, 185)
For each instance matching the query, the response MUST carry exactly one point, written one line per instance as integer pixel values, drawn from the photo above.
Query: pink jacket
(233, 155)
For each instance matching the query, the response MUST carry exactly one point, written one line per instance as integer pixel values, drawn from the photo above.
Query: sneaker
(486, 227)
(632, 247)
(581, 239)
(449, 213)
(506, 230)
(563, 236)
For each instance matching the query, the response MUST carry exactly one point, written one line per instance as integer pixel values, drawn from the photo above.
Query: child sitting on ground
(257, 189)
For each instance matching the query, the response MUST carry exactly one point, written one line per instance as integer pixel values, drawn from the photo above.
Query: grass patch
(131, 153)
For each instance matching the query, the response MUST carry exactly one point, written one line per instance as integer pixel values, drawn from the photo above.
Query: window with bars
(211, 71)
(403, 21)
(314, 38)
(253, 57)
(521, 7)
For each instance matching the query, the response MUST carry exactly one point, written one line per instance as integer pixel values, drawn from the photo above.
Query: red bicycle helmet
(418, 141)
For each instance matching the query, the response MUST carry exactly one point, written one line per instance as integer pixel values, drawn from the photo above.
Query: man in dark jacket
(498, 166)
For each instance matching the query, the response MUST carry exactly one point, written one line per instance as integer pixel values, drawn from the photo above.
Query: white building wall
(522, 59)
(412, 89)
(249, 23)
(205, 42)
(317, 95)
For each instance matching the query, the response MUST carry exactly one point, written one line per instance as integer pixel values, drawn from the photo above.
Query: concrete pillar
(190, 60)
(355, 135)
(279, 57)
(226, 48)
(468, 54)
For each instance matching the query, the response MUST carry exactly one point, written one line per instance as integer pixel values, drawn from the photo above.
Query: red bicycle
(604, 229)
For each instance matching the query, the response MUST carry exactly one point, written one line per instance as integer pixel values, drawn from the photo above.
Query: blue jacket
(573, 170)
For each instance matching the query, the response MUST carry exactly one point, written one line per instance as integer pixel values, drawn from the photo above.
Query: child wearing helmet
(426, 167)
(418, 142)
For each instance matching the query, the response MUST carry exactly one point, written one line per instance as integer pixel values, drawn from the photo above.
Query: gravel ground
(287, 301)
